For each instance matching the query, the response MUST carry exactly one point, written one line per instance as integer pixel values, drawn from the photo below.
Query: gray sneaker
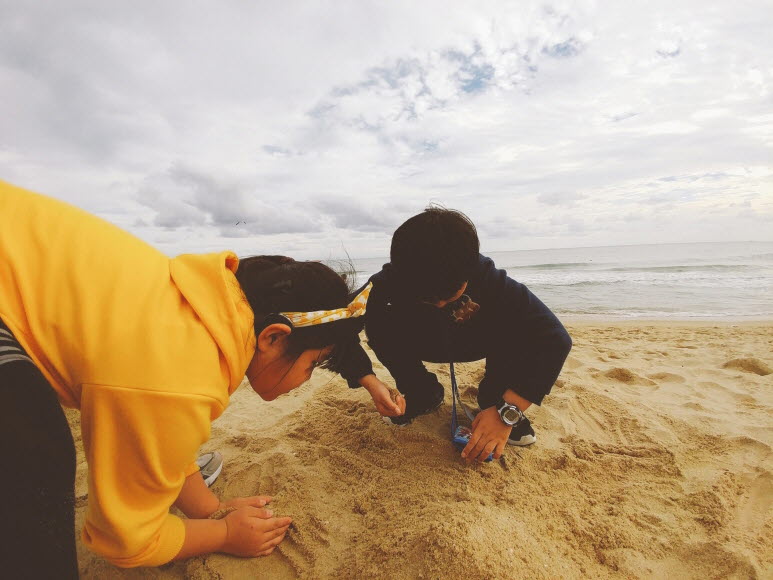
(210, 464)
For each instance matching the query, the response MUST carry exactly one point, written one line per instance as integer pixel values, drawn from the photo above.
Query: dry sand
(653, 460)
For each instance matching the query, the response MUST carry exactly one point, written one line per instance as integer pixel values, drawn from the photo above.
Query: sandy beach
(653, 460)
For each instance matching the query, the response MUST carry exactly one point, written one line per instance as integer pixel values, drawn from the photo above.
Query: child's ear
(272, 337)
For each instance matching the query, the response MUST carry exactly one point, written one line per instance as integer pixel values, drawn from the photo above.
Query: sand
(653, 460)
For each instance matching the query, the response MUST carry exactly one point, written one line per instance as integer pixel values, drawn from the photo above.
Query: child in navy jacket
(439, 300)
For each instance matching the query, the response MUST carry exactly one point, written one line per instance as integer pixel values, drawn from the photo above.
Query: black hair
(434, 253)
(274, 284)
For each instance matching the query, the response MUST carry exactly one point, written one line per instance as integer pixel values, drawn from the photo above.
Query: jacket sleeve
(530, 344)
(408, 371)
(386, 338)
(140, 445)
(354, 363)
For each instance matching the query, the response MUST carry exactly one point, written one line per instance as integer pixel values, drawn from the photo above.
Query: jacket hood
(208, 283)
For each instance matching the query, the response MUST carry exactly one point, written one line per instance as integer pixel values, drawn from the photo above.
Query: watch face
(511, 415)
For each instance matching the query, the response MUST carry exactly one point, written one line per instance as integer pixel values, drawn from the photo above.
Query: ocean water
(682, 281)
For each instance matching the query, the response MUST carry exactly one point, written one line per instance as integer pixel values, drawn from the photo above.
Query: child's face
(276, 375)
(442, 303)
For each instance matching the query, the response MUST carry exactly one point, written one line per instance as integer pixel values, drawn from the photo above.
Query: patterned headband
(356, 308)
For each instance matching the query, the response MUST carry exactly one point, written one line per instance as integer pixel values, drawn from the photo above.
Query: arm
(531, 346)
(356, 367)
(510, 396)
(350, 360)
(529, 343)
(406, 368)
(354, 363)
(202, 537)
(246, 532)
(196, 500)
(388, 403)
(139, 444)
(251, 532)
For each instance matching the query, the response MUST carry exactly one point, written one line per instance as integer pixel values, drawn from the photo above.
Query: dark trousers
(405, 363)
(37, 483)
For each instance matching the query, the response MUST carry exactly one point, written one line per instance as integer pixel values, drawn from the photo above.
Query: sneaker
(522, 434)
(210, 464)
(423, 407)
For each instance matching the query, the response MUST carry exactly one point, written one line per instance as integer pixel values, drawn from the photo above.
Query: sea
(677, 281)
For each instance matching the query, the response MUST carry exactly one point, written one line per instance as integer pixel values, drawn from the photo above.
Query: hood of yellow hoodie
(208, 283)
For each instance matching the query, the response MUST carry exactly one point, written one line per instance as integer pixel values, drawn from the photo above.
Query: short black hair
(434, 253)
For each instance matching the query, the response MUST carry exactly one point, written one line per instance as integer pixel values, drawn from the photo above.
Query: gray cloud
(674, 52)
(181, 122)
(352, 214)
(186, 197)
(562, 198)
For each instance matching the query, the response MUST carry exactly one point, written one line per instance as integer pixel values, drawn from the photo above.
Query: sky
(313, 129)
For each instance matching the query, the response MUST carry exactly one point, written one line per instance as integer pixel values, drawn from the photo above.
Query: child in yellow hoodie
(149, 349)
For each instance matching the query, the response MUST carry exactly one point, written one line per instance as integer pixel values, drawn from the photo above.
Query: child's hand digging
(253, 532)
(489, 435)
(387, 402)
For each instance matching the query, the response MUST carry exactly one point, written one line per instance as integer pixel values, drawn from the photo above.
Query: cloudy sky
(313, 128)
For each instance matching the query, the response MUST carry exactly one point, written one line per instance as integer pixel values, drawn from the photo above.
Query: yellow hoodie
(149, 349)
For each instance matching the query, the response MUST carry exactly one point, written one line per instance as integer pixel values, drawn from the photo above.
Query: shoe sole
(211, 479)
(523, 441)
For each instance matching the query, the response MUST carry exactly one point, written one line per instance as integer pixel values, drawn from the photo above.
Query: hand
(489, 435)
(388, 402)
(257, 501)
(253, 532)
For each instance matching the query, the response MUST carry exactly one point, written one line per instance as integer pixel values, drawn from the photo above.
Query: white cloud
(324, 126)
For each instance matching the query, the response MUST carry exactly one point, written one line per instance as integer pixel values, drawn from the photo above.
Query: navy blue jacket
(523, 342)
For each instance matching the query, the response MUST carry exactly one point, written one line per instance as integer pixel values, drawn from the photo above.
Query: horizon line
(579, 248)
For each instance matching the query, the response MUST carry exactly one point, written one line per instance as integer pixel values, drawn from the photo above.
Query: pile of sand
(653, 460)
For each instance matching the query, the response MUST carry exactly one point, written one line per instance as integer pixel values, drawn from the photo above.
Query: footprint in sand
(745, 399)
(667, 377)
(707, 385)
(268, 477)
(573, 363)
(755, 504)
(748, 365)
(624, 375)
(686, 346)
(603, 420)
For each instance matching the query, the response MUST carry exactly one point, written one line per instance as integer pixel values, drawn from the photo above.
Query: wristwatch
(510, 414)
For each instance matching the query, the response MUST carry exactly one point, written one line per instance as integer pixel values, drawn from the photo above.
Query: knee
(565, 343)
